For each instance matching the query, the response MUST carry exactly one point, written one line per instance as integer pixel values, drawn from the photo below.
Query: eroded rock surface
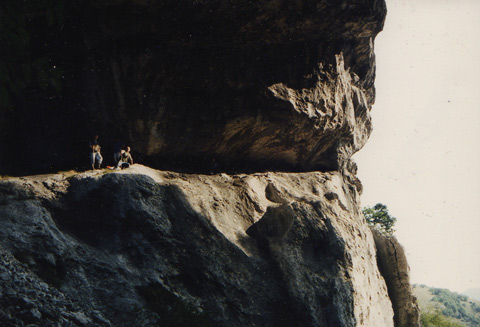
(145, 247)
(393, 265)
(200, 86)
(255, 85)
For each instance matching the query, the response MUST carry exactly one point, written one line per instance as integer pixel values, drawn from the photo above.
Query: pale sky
(423, 158)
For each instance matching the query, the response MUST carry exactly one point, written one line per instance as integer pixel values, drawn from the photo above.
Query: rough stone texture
(254, 85)
(26, 299)
(268, 84)
(393, 265)
(151, 248)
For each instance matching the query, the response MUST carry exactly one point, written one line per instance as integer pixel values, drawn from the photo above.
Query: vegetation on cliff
(441, 307)
(379, 219)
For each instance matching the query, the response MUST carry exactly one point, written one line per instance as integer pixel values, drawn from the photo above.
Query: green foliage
(379, 218)
(435, 302)
(453, 303)
(437, 319)
(475, 307)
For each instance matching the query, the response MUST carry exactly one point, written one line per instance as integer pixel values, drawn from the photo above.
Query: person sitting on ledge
(125, 159)
(117, 150)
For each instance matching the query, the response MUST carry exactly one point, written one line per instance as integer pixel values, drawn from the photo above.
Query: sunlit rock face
(252, 84)
(143, 247)
(392, 262)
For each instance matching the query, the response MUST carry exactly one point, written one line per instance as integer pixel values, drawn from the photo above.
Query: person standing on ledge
(95, 156)
(125, 159)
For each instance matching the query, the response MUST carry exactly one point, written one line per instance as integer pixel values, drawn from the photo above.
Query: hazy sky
(423, 158)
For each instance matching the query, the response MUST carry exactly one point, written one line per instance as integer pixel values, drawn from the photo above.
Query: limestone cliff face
(393, 265)
(152, 248)
(268, 85)
(256, 85)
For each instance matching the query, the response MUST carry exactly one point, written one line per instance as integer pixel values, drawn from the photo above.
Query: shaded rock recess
(254, 85)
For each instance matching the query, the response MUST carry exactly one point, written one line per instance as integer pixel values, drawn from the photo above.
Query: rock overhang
(253, 85)
(225, 101)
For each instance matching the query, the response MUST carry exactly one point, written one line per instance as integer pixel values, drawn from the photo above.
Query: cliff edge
(271, 97)
(145, 247)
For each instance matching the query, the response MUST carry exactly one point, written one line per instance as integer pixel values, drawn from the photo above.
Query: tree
(379, 218)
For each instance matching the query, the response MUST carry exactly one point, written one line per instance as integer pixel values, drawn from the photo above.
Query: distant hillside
(473, 293)
(462, 309)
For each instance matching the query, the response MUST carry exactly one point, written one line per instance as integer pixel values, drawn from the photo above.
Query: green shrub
(437, 319)
(452, 302)
(379, 218)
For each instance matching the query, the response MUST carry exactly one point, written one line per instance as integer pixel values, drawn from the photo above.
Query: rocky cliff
(393, 265)
(271, 97)
(255, 85)
(144, 247)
